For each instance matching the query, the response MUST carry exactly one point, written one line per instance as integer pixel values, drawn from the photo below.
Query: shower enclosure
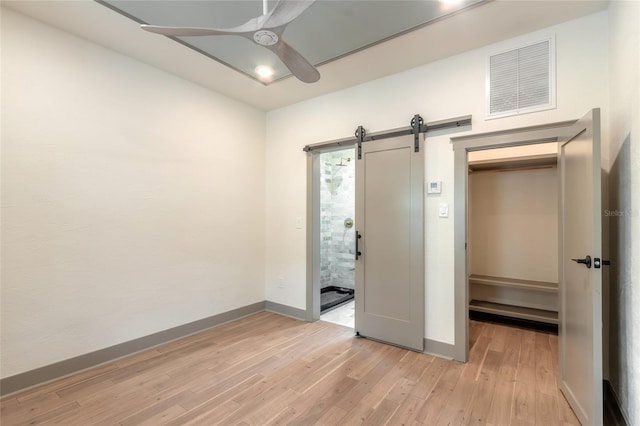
(337, 228)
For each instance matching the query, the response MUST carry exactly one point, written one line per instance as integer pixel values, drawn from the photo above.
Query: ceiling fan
(265, 30)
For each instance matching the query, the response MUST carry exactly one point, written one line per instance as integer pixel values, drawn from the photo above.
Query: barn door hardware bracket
(360, 134)
(417, 127)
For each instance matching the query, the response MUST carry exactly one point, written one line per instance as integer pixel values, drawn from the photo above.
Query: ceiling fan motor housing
(265, 37)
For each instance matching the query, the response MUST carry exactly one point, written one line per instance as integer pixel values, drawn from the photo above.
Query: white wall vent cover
(521, 80)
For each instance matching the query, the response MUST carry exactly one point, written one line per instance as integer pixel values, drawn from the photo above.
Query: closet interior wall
(513, 238)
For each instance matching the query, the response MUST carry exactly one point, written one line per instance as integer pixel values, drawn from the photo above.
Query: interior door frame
(313, 229)
(462, 145)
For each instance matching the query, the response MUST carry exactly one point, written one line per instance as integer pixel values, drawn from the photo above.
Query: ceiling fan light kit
(265, 30)
(264, 72)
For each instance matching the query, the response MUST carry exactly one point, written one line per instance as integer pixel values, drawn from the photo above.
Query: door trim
(313, 229)
(462, 145)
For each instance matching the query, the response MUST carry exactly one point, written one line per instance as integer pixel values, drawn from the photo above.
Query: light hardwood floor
(270, 369)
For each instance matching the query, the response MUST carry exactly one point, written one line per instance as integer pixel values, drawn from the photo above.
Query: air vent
(521, 80)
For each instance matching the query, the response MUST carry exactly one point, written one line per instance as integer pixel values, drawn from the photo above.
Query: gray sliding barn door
(389, 219)
(580, 269)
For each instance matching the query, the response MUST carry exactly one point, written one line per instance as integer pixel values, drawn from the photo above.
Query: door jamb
(313, 224)
(462, 145)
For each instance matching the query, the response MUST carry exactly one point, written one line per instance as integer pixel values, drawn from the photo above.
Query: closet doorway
(579, 236)
(512, 239)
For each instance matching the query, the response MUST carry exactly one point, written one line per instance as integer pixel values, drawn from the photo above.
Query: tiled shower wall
(337, 203)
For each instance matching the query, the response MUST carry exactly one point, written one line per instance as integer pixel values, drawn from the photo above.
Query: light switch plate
(443, 210)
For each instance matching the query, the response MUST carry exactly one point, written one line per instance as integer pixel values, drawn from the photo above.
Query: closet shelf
(514, 311)
(513, 282)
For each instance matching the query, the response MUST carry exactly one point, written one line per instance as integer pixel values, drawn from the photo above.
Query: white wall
(624, 190)
(447, 88)
(132, 200)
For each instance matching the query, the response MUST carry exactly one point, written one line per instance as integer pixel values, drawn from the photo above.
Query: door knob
(585, 261)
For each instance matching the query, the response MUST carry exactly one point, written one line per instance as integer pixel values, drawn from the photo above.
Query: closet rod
(402, 131)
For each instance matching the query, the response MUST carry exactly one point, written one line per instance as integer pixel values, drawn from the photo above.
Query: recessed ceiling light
(264, 72)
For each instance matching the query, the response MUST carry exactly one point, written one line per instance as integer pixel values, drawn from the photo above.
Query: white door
(580, 269)
(389, 295)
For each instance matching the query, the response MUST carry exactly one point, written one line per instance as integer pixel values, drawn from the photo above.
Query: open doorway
(579, 271)
(337, 236)
(470, 148)
(513, 236)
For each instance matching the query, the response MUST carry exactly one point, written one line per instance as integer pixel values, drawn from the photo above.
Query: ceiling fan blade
(286, 11)
(185, 31)
(296, 63)
(251, 26)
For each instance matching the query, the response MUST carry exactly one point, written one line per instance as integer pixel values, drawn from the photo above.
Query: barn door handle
(585, 261)
(358, 252)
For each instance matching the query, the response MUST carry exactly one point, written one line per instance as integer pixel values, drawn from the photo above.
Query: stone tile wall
(337, 203)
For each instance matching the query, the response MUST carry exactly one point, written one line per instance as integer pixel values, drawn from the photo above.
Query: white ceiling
(326, 31)
(472, 28)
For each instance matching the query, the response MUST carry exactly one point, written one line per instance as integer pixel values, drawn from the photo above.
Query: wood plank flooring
(267, 369)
